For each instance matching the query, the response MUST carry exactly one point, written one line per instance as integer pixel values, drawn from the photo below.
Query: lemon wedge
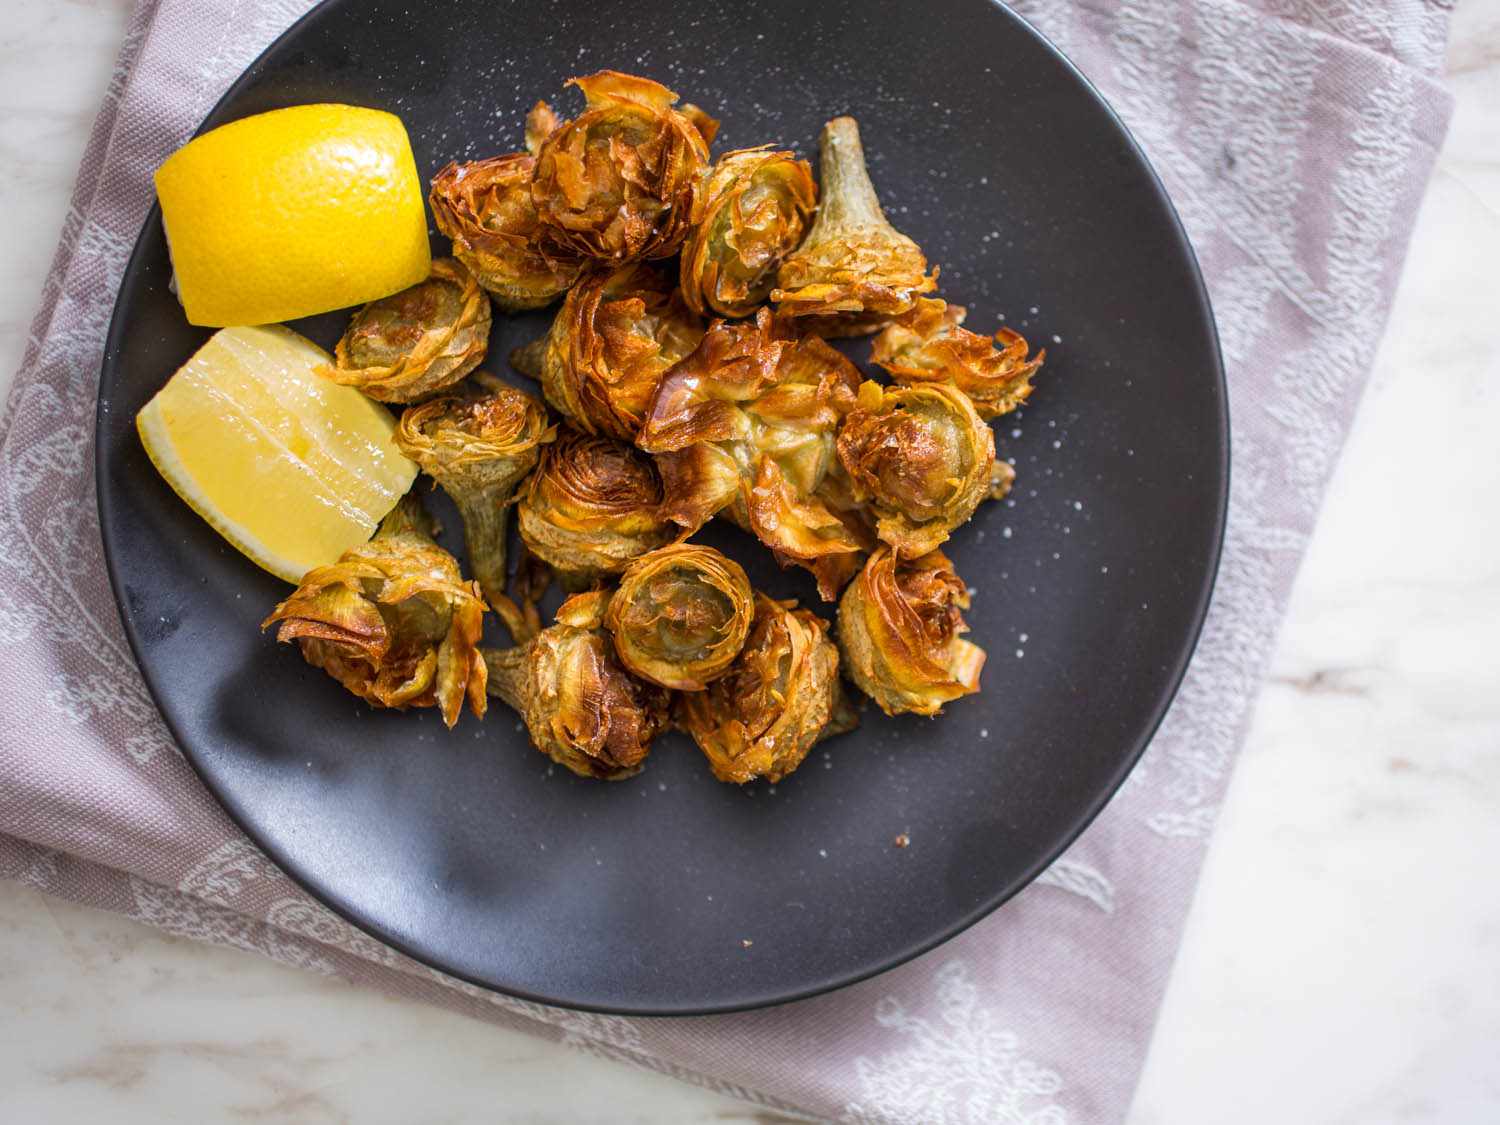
(290, 468)
(293, 212)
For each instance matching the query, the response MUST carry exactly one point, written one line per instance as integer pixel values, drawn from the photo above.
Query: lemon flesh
(293, 212)
(289, 467)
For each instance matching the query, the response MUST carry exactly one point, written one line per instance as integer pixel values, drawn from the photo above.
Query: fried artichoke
(392, 620)
(929, 345)
(485, 207)
(613, 339)
(855, 271)
(681, 616)
(780, 697)
(591, 506)
(619, 183)
(745, 425)
(477, 446)
(701, 406)
(753, 211)
(921, 458)
(411, 345)
(788, 507)
(900, 632)
(583, 710)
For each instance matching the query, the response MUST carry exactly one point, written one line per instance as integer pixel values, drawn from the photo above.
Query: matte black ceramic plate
(465, 849)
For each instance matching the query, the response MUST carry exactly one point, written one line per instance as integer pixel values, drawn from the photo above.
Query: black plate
(465, 849)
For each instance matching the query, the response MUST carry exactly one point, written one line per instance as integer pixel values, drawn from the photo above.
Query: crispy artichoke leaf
(929, 345)
(541, 122)
(1002, 478)
(802, 530)
(698, 483)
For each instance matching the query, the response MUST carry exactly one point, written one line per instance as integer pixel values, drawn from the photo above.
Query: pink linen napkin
(1295, 137)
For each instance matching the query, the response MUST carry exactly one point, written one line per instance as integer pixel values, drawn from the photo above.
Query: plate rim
(330, 900)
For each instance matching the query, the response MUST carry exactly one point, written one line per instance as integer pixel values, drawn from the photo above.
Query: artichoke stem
(486, 515)
(408, 517)
(848, 196)
(507, 669)
(528, 360)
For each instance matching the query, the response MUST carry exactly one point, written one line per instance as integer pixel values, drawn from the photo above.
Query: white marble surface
(1342, 962)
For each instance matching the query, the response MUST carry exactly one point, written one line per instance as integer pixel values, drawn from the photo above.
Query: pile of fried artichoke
(649, 423)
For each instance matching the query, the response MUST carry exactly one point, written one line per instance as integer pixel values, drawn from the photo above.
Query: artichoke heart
(900, 630)
(581, 707)
(921, 458)
(745, 425)
(485, 207)
(614, 337)
(755, 207)
(592, 505)
(478, 445)
(781, 696)
(420, 341)
(681, 616)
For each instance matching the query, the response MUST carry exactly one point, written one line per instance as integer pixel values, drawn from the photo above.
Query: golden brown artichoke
(921, 458)
(855, 271)
(928, 345)
(478, 445)
(745, 425)
(753, 211)
(591, 506)
(900, 630)
(681, 616)
(788, 505)
(613, 339)
(583, 710)
(392, 620)
(411, 345)
(780, 697)
(703, 398)
(485, 207)
(619, 182)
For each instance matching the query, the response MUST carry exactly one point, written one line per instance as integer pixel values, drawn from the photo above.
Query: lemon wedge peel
(293, 212)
